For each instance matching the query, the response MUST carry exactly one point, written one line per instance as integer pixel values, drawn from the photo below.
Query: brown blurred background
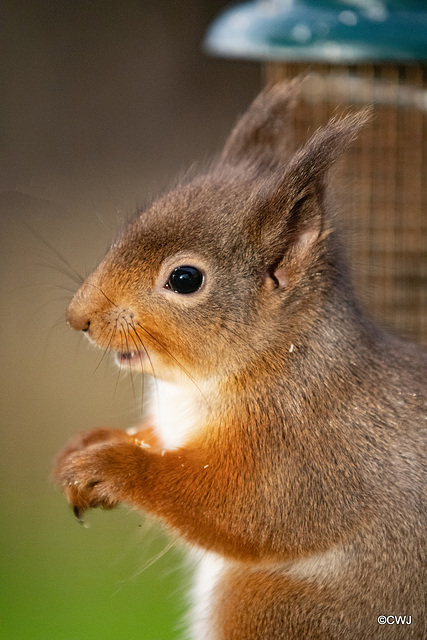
(102, 104)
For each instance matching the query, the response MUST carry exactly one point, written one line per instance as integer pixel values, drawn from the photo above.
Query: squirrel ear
(263, 134)
(310, 164)
(294, 211)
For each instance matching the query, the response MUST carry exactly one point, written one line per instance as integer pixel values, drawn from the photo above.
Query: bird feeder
(356, 53)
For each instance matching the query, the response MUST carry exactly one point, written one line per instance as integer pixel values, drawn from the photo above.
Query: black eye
(185, 279)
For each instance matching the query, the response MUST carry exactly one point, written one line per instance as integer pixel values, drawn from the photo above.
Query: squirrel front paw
(85, 439)
(100, 475)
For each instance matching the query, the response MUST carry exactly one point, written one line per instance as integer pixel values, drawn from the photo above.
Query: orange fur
(297, 457)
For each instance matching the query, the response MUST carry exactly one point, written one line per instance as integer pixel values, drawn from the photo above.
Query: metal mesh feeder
(358, 53)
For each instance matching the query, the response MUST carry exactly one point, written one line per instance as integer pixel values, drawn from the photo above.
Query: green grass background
(69, 583)
(115, 578)
(102, 104)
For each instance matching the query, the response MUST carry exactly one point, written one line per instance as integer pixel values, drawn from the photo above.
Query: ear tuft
(263, 134)
(324, 148)
(295, 211)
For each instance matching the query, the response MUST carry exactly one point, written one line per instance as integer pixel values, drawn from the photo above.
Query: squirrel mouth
(130, 358)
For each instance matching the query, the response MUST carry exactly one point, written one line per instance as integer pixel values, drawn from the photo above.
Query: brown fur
(305, 470)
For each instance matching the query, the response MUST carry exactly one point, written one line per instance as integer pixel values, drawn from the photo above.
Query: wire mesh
(380, 184)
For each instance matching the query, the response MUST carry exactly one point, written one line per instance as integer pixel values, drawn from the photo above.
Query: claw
(79, 514)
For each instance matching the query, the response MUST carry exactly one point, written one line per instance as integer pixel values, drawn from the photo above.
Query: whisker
(60, 322)
(149, 360)
(170, 544)
(62, 287)
(61, 269)
(128, 350)
(140, 360)
(120, 366)
(183, 369)
(177, 362)
(47, 286)
(78, 345)
(101, 291)
(46, 303)
(106, 350)
(76, 274)
(142, 345)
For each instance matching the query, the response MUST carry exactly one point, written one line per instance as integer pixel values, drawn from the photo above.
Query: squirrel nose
(76, 320)
(82, 325)
(79, 310)
(86, 304)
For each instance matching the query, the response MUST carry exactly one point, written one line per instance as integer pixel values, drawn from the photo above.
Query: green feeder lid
(331, 31)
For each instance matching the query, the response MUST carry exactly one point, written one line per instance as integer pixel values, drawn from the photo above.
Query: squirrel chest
(286, 430)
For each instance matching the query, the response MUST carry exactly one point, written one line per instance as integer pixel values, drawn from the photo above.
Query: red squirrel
(285, 436)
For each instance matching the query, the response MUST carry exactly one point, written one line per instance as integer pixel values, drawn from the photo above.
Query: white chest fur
(177, 412)
(208, 573)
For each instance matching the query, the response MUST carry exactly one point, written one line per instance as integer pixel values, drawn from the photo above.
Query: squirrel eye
(185, 279)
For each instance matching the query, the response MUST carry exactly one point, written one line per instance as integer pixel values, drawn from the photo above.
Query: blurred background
(102, 104)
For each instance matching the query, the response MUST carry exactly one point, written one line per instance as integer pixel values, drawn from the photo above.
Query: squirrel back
(288, 427)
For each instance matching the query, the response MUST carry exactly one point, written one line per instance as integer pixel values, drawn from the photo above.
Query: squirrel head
(228, 266)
